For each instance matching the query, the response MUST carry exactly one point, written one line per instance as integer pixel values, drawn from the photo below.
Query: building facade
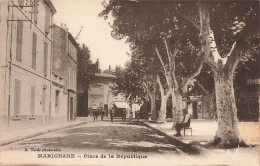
(64, 75)
(100, 94)
(248, 101)
(25, 50)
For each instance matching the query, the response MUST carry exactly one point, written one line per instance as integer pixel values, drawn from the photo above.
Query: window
(45, 64)
(0, 10)
(69, 77)
(34, 45)
(57, 101)
(75, 79)
(32, 108)
(47, 20)
(19, 41)
(35, 14)
(17, 94)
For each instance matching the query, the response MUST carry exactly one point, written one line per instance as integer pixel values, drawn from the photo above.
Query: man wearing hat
(184, 123)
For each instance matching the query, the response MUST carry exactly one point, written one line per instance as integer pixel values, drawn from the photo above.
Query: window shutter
(17, 94)
(0, 11)
(57, 101)
(45, 59)
(43, 100)
(34, 44)
(36, 4)
(32, 110)
(19, 41)
(47, 20)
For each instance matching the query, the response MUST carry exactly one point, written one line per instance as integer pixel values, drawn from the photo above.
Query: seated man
(184, 123)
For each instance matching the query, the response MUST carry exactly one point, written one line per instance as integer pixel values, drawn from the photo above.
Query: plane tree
(172, 40)
(231, 31)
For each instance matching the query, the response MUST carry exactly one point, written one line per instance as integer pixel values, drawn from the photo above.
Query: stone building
(25, 50)
(248, 100)
(100, 95)
(64, 75)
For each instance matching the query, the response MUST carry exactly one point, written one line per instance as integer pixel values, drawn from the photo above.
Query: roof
(104, 75)
(50, 5)
(121, 104)
(112, 72)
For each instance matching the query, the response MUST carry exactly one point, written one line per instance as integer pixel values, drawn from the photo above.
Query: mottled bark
(162, 111)
(152, 96)
(227, 134)
(153, 106)
(164, 97)
(177, 112)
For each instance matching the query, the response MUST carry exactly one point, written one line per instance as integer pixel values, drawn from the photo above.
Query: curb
(9, 141)
(190, 148)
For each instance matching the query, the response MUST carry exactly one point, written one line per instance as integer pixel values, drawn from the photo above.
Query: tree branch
(190, 77)
(160, 85)
(169, 92)
(188, 18)
(250, 27)
(202, 87)
(211, 63)
(160, 57)
(147, 89)
(171, 56)
(169, 52)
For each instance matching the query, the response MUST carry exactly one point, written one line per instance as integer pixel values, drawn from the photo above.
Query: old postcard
(129, 82)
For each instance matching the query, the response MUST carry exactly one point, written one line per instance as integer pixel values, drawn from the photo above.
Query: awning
(94, 107)
(121, 104)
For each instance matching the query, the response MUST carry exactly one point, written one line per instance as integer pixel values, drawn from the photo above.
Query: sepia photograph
(129, 82)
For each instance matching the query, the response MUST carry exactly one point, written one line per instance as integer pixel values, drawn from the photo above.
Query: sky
(96, 33)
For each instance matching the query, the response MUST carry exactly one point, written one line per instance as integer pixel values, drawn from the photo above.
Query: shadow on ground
(126, 137)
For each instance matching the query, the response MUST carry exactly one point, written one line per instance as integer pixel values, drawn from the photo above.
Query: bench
(187, 127)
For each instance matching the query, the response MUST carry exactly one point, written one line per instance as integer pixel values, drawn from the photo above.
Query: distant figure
(131, 115)
(137, 114)
(102, 113)
(124, 115)
(112, 114)
(95, 112)
(184, 123)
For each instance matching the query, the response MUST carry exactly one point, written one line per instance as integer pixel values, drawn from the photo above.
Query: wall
(65, 67)
(23, 71)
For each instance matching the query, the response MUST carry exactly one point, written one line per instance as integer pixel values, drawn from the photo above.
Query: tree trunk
(153, 107)
(227, 134)
(177, 112)
(162, 112)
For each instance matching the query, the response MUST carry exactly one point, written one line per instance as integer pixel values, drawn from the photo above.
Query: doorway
(71, 108)
(195, 110)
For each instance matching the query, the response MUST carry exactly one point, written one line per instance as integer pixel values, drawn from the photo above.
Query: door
(71, 109)
(195, 110)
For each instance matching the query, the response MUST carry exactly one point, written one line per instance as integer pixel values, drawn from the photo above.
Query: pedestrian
(131, 115)
(112, 114)
(184, 123)
(102, 113)
(95, 112)
(124, 115)
(137, 114)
